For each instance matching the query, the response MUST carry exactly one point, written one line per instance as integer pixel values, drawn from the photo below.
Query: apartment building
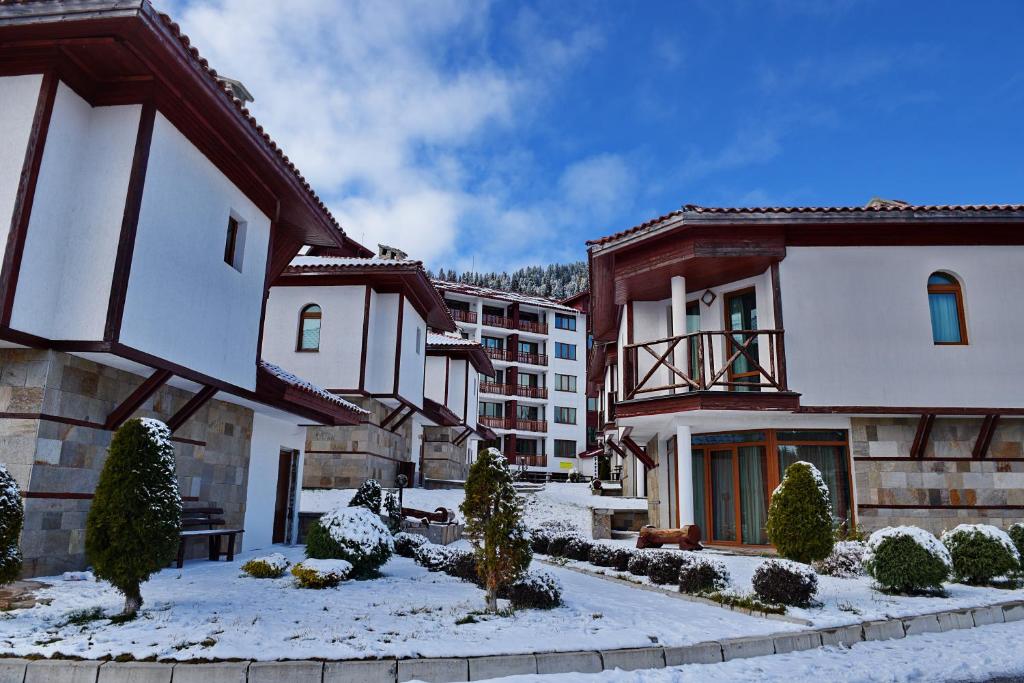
(877, 342)
(536, 403)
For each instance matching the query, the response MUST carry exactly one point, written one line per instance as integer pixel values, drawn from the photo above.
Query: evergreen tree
(555, 281)
(800, 515)
(368, 495)
(135, 520)
(12, 517)
(493, 512)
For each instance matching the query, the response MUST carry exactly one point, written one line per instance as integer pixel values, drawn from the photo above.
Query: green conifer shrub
(354, 534)
(980, 553)
(12, 517)
(906, 559)
(134, 523)
(1016, 534)
(800, 515)
(369, 495)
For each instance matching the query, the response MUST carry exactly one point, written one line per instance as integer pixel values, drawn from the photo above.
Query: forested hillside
(557, 280)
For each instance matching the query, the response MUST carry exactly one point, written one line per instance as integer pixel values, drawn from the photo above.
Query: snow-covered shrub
(601, 555)
(845, 560)
(639, 560)
(462, 565)
(539, 541)
(270, 567)
(541, 535)
(980, 553)
(907, 559)
(565, 541)
(800, 515)
(578, 548)
(354, 534)
(314, 573)
(534, 590)
(1016, 534)
(392, 511)
(621, 558)
(699, 574)
(431, 557)
(12, 517)
(784, 582)
(369, 495)
(406, 544)
(574, 477)
(664, 567)
(134, 523)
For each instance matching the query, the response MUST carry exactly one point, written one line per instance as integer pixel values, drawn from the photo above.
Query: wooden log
(438, 516)
(688, 537)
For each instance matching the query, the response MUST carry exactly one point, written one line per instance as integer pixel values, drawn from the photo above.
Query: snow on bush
(313, 573)
(664, 567)
(784, 582)
(601, 555)
(699, 574)
(800, 515)
(462, 564)
(845, 560)
(12, 517)
(542, 534)
(354, 534)
(534, 590)
(640, 559)
(406, 543)
(621, 558)
(431, 557)
(980, 553)
(1016, 534)
(369, 495)
(270, 567)
(570, 544)
(907, 559)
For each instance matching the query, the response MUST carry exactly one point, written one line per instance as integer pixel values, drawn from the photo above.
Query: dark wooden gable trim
(924, 430)
(190, 408)
(365, 346)
(129, 224)
(639, 452)
(25, 195)
(988, 429)
(120, 414)
(777, 310)
(398, 342)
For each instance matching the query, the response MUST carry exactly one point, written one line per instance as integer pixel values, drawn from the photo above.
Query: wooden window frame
(305, 314)
(957, 291)
(558, 386)
(729, 342)
(572, 450)
(558, 411)
(233, 251)
(565, 316)
(567, 345)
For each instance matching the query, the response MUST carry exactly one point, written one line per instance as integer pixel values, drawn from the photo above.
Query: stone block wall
(947, 486)
(52, 408)
(345, 457)
(442, 459)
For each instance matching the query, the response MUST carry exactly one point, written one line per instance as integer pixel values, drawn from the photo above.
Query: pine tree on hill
(556, 281)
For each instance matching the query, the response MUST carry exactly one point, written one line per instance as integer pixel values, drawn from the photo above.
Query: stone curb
(451, 669)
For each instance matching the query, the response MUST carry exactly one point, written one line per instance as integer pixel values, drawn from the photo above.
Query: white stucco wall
(269, 436)
(578, 399)
(336, 365)
(64, 284)
(18, 97)
(457, 388)
(380, 356)
(434, 378)
(184, 303)
(414, 340)
(858, 328)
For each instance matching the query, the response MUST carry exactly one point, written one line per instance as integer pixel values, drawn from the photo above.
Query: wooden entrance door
(741, 318)
(734, 493)
(283, 505)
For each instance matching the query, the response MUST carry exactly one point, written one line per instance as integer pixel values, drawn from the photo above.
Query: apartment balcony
(498, 321)
(531, 425)
(463, 316)
(513, 390)
(526, 391)
(527, 459)
(721, 369)
(532, 358)
(510, 356)
(535, 328)
(511, 423)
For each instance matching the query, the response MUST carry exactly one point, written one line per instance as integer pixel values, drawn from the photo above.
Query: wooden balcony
(532, 358)
(520, 390)
(722, 369)
(530, 326)
(527, 459)
(510, 356)
(512, 423)
(531, 425)
(463, 316)
(498, 321)
(526, 391)
(496, 354)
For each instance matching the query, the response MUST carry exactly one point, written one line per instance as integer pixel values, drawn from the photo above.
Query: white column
(682, 352)
(684, 475)
(664, 520)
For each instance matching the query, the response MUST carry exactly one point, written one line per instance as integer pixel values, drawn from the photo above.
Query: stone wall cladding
(47, 456)
(345, 457)
(930, 483)
(442, 459)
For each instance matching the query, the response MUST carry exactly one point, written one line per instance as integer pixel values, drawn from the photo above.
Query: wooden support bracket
(119, 415)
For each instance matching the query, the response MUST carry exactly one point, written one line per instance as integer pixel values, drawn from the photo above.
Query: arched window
(309, 328)
(946, 303)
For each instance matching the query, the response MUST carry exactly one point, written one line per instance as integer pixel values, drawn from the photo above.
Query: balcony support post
(684, 475)
(682, 350)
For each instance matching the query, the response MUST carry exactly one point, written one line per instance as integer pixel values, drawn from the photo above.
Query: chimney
(238, 90)
(391, 253)
(879, 203)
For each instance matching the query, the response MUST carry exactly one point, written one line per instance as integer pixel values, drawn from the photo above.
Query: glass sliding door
(741, 315)
(723, 496)
(699, 498)
(753, 494)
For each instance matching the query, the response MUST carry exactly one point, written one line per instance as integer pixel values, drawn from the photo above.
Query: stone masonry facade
(345, 457)
(442, 459)
(947, 486)
(52, 407)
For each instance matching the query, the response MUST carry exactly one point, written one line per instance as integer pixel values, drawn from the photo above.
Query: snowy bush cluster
(640, 559)
(353, 534)
(270, 567)
(406, 543)
(313, 573)
(542, 534)
(698, 574)
(1016, 534)
(980, 553)
(845, 561)
(664, 567)
(906, 559)
(605, 555)
(12, 517)
(784, 582)
(534, 590)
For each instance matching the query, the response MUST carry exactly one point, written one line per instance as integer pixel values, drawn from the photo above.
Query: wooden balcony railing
(513, 423)
(532, 358)
(510, 356)
(531, 425)
(495, 354)
(728, 360)
(493, 388)
(497, 321)
(463, 316)
(526, 391)
(530, 326)
(528, 459)
(520, 390)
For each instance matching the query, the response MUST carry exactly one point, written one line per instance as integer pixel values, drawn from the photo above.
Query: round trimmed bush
(12, 517)
(406, 544)
(534, 590)
(369, 495)
(270, 567)
(800, 515)
(621, 558)
(539, 541)
(567, 544)
(313, 573)
(845, 561)
(906, 559)
(601, 555)
(702, 575)
(431, 557)
(639, 560)
(664, 567)
(578, 548)
(353, 534)
(785, 583)
(1016, 534)
(980, 553)
(462, 565)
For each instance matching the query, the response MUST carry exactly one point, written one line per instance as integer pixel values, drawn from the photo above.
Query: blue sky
(504, 134)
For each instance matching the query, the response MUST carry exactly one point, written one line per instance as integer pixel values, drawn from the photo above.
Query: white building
(536, 403)
(148, 214)
(877, 342)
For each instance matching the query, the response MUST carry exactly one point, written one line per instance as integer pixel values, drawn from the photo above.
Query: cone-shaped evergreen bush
(12, 516)
(493, 512)
(368, 495)
(800, 515)
(135, 519)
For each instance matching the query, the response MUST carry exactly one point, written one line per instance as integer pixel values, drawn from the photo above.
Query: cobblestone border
(452, 669)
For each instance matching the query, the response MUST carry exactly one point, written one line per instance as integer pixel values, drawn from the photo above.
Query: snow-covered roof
(515, 297)
(435, 339)
(309, 387)
(329, 262)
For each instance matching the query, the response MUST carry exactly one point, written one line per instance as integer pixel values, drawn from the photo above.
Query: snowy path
(977, 654)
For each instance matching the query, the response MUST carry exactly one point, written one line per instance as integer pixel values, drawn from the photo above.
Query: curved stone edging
(451, 669)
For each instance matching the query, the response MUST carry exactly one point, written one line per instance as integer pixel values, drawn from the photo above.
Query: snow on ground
(844, 601)
(210, 610)
(977, 654)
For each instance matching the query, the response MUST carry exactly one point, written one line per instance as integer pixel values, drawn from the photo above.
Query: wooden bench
(205, 523)
(688, 537)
